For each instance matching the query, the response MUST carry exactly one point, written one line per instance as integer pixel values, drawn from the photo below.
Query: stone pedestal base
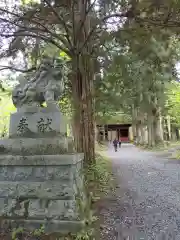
(41, 190)
(40, 174)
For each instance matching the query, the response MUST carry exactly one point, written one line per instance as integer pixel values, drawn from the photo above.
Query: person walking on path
(115, 143)
(120, 142)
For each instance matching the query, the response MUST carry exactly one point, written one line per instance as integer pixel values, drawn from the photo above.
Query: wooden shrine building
(110, 131)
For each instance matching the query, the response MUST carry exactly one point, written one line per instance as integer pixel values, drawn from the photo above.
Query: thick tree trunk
(166, 130)
(142, 131)
(155, 129)
(142, 128)
(151, 132)
(77, 107)
(104, 133)
(83, 102)
(96, 132)
(169, 127)
(177, 133)
(138, 133)
(134, 131)
(82, 82)
(158, 129)
(139, 123)
(134, 122)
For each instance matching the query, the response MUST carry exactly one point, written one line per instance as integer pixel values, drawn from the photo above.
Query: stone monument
(39, 168)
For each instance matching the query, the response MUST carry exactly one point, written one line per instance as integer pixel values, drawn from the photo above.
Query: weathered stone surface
(39, 209)
(60, 209)
(41, 187)
(37, 173)
(41, 190)
(13, 207)
(38, 124)
(44, 85)
(15, 173)
(40, 160)
(53, 209)
(50, 225)
(39, 146)
(40, 171)
(48, 198)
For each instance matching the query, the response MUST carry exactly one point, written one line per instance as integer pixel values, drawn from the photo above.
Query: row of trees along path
(89, 33)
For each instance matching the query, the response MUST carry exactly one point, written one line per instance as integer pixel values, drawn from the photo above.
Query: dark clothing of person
(119, 143)
(115, 143)
(115, 148)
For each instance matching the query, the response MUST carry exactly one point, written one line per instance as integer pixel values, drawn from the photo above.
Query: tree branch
(120, 15)
(17, 69)
(128, 14)
(160, 23)
(74, 37)
(42, 29)
(61, 21)
(26, 34)
(85, 16)
(33, 21)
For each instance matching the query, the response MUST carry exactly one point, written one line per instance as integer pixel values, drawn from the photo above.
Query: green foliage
(115, 118)
(177, 156)
(139, 66)
(140, 70)
(173, 102)
(21, 233)
(107, 98)
(6, 108)
(38, 232)
(99, 176)
(98, 182)
(16, 232)
(65, 106)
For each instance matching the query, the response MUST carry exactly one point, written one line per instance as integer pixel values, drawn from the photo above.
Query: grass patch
(100, 179)
(99, 182)
(102, 146)
(160, 147)
(176, 155)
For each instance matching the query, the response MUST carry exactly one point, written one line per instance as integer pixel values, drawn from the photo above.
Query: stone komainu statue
(45, 86)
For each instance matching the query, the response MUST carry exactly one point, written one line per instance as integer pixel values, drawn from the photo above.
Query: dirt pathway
(146, 204)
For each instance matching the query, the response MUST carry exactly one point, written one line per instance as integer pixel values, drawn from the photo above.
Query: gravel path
(146, 204)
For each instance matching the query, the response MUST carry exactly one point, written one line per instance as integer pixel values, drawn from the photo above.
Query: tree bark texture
(83, 102)
(142, 131)
(82, 83)
(158, 129)
(151, 137)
